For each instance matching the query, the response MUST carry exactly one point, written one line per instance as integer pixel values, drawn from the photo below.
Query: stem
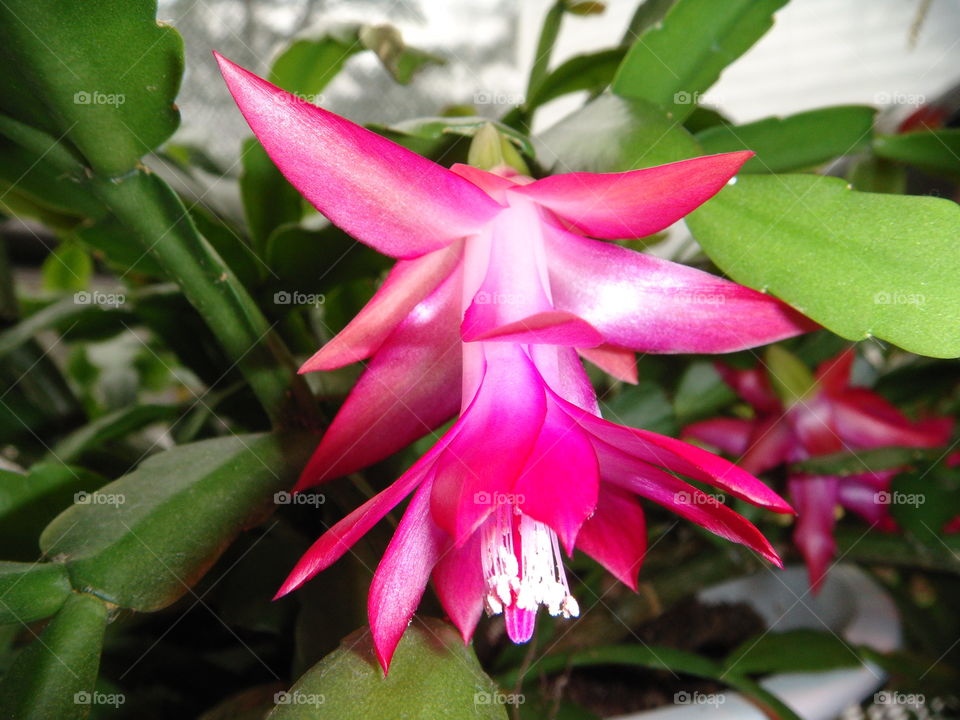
(545, 45)
(162, 226)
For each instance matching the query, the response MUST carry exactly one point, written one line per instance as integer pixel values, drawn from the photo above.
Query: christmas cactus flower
(499, 285)
(815, 415)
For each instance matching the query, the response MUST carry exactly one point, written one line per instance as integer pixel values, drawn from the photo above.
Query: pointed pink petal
(731, 435)
(682, 498)
(494, 185)
(637, 203)
(814, 423)
(645, 303)
(552, 327)
(816, 499)
(563, 372)
(520, 623)
(411, 387)
(771, 443)
(408, 282)
(861, 494)
(865, 420)
(559, 484)
(402, 575)
(679, 457)
(834, 374)
(616, 535)
(497, 432)
(394, 200)
(752, 385)
(341, 537)
(458, 579)
(619, 362)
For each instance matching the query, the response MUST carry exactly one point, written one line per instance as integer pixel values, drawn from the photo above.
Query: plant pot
(850, 604)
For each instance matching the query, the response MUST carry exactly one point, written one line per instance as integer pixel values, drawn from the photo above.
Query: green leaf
(796, 142)
(899, 550)
(29, 502)
(31, 591)
(67, 269)
(861, 264)
(269, 201)
(935, 150)
(113, 425)
(102, 76)
(435, 128)
(790, 378)
(924, 501)
(545, 44)
(701, 393)
(673, 62)
(869, 173)
(54, 676)
(310, 63)
(433, 675)
(400, 60)
(856, 463)
(144, 540)
(591, 71)
(109, 240)
(614, 134)
(791, 651)
(644, 406)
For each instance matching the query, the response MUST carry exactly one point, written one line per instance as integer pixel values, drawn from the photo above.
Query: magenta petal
(637, 203)
(559, 484)
(563, 372)
(341, 537)
(682, 498)
(392, 199)
(645, 303)
(816, 499)
(863, 494)
(497, 432)
(552, 327)
(680, 457)
(619, 362)
(834, 374)
(752, 385)
(616, 535)
(814, 422)
(865, 420)
(520, 623)
(495, 186)
(458, 579)
(408, 282)
(731, 435)
(402, 575)
(411, 387)
(770, 443)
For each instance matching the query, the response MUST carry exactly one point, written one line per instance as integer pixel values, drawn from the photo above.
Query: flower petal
(637, 203)
(616, 535)
(402, 575)
(865, 420)
(862, 494)
(834, 374)
(341, 537)
(682, 498)
(552, 327)
(680, 457)
(411, 387)
(559, 484)
(816, 498)
(619, 362)
(645, 303)
(752, 385)
(458, 579)
(731, 435)
(408, 282)
(390, 198)
(771, 443)
(494, 185)
(497, 432)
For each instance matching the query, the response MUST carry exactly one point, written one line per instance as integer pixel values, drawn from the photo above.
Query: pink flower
(496, 289)
(832, 416)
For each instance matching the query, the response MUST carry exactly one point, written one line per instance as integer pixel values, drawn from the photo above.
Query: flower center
(527, 576)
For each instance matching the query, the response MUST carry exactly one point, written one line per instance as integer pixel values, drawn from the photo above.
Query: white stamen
(535, 578)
